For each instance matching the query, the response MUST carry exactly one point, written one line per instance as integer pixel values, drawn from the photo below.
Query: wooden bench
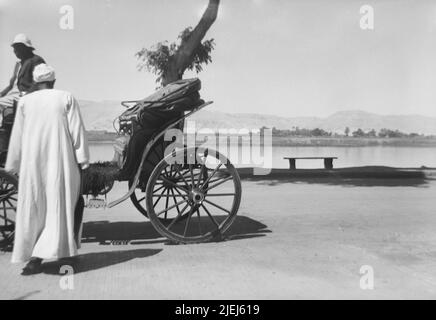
(328, 161)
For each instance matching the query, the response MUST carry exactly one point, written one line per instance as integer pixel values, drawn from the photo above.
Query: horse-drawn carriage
(190, 194)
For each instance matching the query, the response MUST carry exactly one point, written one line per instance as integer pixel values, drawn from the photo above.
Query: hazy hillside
(336, 122)
(100, 115)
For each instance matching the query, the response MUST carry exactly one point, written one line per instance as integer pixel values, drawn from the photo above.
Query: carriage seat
(150, 115)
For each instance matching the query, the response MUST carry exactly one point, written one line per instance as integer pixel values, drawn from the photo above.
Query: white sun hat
(43, 73)
(22, 38)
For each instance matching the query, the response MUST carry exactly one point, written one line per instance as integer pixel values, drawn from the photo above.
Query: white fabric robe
(48, 142)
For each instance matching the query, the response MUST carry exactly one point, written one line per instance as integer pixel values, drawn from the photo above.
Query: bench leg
(328, 163)
(292, 164)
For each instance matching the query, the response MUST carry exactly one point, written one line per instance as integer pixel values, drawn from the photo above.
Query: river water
(401, 157)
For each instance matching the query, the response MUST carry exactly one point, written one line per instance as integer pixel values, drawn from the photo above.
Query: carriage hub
(196, 196)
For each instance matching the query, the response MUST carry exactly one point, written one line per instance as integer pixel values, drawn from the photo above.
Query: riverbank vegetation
(315, 139)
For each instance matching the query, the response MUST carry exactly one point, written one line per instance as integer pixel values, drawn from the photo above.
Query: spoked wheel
(138, 197)
(155, 155)
(8, 206)
(204, 195)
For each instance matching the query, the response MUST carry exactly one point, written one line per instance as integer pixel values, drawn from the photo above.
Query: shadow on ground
(95, 261)
(353, 177)
(135, 233)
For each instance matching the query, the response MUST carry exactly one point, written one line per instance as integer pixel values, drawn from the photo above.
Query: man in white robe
(48, 148)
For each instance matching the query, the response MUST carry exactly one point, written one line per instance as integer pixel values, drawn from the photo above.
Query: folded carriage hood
(162, 97)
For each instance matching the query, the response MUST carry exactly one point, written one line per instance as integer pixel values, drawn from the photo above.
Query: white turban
(43, 73)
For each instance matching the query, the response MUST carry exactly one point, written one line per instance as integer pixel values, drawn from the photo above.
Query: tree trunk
(182, 58)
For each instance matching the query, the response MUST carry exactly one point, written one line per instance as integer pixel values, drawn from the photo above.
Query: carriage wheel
(138, 197)
(8, 205)
(168, 194)
(205, 193)
(155, 155)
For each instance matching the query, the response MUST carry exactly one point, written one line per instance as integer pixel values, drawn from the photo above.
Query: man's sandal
(32, 267)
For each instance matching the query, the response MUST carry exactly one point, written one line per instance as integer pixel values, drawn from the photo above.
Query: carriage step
(96, 203)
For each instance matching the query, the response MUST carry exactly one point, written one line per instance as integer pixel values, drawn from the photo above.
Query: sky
(282, 57)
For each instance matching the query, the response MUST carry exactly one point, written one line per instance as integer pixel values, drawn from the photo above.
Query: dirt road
(291, 241)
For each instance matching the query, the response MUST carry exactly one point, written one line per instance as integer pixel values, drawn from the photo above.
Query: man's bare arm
(5, 91)
(11, 82)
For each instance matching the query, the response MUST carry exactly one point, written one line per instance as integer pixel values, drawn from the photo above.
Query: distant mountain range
(100, 116)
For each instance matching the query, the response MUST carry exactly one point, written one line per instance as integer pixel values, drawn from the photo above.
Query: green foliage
(158, 58)
(387, 133)
(359, 133)
(297, 132)
(372, 134)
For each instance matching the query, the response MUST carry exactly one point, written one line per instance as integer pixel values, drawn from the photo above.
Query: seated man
(22, 78)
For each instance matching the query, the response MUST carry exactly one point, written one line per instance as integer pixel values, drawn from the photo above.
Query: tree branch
(188, 46)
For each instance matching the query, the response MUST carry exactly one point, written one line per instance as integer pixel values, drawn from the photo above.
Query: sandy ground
(292, 240)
